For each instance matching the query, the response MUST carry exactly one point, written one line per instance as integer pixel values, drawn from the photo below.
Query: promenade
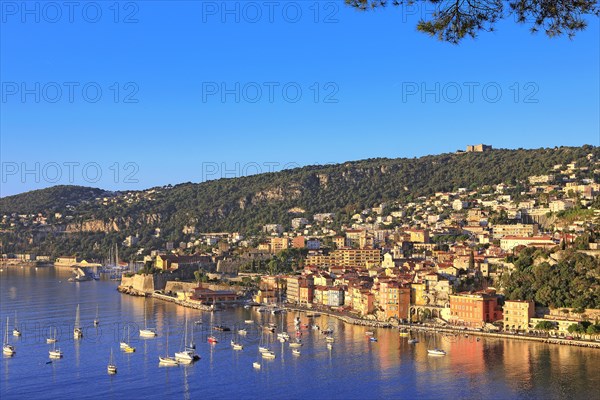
(350, 319)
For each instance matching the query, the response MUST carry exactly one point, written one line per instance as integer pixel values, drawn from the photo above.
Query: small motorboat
(237, 345)
(296, 352)
(256, 365)
(243, 332)
(168, 361)
(248, 321)
(373, 339)
(198, 322)
(269, 355)
(212, 340)
(221, 328)
(413, 341)
(436, 352)
(329, 346)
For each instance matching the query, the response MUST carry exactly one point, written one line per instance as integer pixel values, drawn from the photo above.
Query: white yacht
(436, 352)
(188, 354)
(7, 349)
(147, 332)
(167, 360)
(77, 331)
(111, 368)
(16, 332)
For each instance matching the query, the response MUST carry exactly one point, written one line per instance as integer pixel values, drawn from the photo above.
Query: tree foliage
(452, 21)
(573, 282)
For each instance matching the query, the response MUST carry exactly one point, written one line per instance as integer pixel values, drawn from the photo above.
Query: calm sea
(353, 369)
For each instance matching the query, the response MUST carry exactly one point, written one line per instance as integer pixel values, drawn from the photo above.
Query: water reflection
(353, 368)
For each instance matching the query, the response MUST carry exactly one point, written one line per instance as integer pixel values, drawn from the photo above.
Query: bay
(354, 368)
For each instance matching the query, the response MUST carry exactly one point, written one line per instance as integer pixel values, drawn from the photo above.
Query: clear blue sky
(179, 53)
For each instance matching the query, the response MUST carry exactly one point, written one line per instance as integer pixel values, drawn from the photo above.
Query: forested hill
(249, 202)
(57, 198)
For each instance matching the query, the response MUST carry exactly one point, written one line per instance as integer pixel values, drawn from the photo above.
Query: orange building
(299, 242)
(474, 309)
(307, 292)
(394, 299)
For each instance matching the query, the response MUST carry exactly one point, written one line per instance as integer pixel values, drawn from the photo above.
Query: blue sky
(371, 86)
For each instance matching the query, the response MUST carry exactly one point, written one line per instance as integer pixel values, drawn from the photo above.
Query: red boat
(212, 339)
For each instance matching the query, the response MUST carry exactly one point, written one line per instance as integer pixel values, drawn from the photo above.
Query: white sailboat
(436, 351)
(166, 360)
(263, 347)
(147, 332)
(236, 345)
(188, 354)
(52, 339)
(7, 349)
(125, 346)
(111, 368)
(269, 355)
(77, 331)
(16, 331)
(55, 353)
(97, 319)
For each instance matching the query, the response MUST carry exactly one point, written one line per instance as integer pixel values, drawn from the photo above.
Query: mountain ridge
(246, 203)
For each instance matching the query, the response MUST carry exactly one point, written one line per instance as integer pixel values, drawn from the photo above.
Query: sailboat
(436, 351)
(52, 339)
(236, 345)
(77, 331)
(55, 353)
(188, 355)
(7, 349)
(112, 368)
(125, 346)
(16, 331)
(212, 339)
(167, 361)
(262, 347)
(147, 332)
(96, 320)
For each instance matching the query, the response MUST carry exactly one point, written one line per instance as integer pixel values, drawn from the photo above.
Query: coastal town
(441, 260)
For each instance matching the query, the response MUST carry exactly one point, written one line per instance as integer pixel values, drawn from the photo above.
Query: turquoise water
(354, 369)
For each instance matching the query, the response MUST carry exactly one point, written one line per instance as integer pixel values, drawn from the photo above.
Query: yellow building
(417, 294)
(279, 244)
(517, 314)
(418, 235)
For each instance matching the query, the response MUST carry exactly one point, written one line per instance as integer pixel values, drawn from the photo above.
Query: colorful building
(474, 309)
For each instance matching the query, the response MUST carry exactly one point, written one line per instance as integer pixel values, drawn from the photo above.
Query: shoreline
(456, 331)
(353, 320)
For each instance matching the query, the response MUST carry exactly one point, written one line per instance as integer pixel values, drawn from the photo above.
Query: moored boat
(111, 368)
(436, 352)
(7, 349)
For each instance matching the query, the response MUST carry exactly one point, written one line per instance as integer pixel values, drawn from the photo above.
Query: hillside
(245, 204)
(56, 198)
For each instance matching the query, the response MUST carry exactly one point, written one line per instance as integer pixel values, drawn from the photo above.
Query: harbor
(332, 350)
